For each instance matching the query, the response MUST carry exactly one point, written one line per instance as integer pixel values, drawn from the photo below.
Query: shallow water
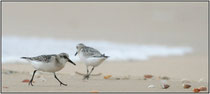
(16, 47)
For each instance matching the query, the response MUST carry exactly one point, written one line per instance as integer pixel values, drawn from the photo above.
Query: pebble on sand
(196, 90)
(26, 81)
(148, 76)
(165, 86)
(107, 76)
(186, 86)
(203, 88)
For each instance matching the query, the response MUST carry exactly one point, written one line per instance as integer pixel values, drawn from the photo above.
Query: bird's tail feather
(28, 58)
(105, 56)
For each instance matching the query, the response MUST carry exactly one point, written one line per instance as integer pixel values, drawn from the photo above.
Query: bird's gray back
(90, 52)
(43, 58)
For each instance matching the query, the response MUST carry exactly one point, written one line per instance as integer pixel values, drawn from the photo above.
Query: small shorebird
(49, 63)
(90, 56)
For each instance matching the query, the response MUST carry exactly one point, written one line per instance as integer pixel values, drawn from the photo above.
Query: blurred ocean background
(117, 51)
(123, 31)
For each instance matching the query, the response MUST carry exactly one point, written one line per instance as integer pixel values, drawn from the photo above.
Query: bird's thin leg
(87, 76)
(87, 70)
(61, 83)
(30, 82)
(91, 70)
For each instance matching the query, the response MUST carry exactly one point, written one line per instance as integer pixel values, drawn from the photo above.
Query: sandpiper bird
(49, 63)
(90, 56)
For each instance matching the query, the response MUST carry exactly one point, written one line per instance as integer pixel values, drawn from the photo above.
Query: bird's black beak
(76, 53)
(71, 62)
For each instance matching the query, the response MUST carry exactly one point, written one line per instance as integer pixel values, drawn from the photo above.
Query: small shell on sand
(148, 76)
(26, 81)
(196, 90)
(151, 86)
(186, 86)
(203, 88)
(165, 86)
(107, 76)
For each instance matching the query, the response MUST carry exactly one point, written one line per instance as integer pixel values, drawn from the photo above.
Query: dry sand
(133, 72)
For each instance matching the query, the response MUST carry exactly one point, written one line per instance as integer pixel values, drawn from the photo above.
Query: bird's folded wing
(44, 58)
(91, 52)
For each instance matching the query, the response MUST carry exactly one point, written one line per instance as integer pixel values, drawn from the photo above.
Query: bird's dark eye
(64, 56)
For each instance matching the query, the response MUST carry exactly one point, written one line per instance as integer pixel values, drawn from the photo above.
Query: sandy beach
(169, 24)
(132, 72)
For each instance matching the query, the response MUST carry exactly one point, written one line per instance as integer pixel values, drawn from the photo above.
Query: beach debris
(186, 86)
(107, 76)
(26, 81)
(163, 77)
(203, 88)
(151, 86)
(94, 91)
(164, 84)
(147, 76)
(185, 81)
(196, 90)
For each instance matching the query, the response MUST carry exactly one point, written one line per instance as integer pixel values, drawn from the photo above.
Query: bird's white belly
(93, 61)
(47, 67)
